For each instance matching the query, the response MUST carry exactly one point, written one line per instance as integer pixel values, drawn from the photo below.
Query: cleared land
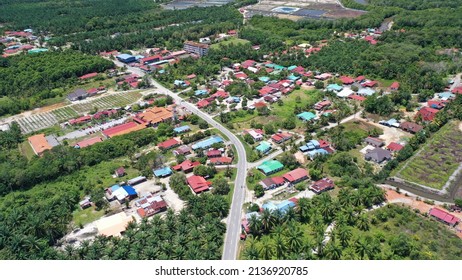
(231, 40)
(302, 9)
(435, 162)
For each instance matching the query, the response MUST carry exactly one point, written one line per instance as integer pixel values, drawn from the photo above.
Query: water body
(363, 2)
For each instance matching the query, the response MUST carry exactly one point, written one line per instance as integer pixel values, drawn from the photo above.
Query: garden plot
(37, 122)
(116, 100)
(64, 113)
(437, 160)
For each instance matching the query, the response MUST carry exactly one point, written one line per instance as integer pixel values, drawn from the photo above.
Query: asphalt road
(233, 228)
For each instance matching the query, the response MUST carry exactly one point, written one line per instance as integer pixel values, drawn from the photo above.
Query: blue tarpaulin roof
(130, 190)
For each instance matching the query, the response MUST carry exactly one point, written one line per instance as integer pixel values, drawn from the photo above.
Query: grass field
(231, 40)
(83, 217)
(26, 150)
(437, 160)
(307, 98)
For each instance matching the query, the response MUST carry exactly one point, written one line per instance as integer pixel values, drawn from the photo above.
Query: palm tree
(355, 198)
(294, 237)
(333, 251)
(362, 248)
(363, 222)
(250, 251)
(278, 230)
(344, 235)
(266, 248)
(266, 219)
(279, 246)
(255, 225)
(303, 210)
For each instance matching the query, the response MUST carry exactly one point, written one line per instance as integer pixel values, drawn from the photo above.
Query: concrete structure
(196, 48)
(114, 225)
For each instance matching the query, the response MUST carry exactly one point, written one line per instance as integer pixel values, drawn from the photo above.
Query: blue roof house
(306, 116)
(314, 153)
(264, 79)
(282, 207)
(264, 147)
(200, 92)
(163, 172)
(334, 87)
(181, 129)
(207, 143)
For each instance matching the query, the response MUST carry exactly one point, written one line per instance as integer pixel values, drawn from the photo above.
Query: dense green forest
(28, 80)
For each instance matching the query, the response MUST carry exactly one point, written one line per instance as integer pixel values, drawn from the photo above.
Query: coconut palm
(266, 249)
(333, 251)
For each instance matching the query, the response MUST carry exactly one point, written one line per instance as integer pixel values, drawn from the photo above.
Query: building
(374, 142)
(394, 86)
(168, 144)
(347, 80)
(322, 105)
(78, 94)
(182, 129)
(136, 180)
(155, 116)
(122, 129)
(121, 193)
(271, 183)
(114, 225)
(427, 114)
(255, 133)
(411, 127)
(150, 59)
(270, 167)
(162, 172)
(186, 166)
(221, 160)
(295, 176)
(443, 216)
(306, 116)
(378, 155)
(39, 144)
(334, 87)
(207, 143)
(119, 172)
(394, 147)
(126, 58)
(322, 185)
(196, 48)
(88, 142)
(279, 138)
(85, 203)
(150, 205)
(213, 153)
(198, 184)
(182, 150)
(282, 207)
(264, 147)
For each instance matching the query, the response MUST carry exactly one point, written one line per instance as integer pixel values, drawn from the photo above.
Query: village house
(377, 155)
(162, 172)
(443, 216)
(198, 184)
(156, 115)
(39, 144)
(182, 150)
(322, 185)
(411, 127)
(186, 166)
(427, 114)
(119, 172)
(374, 142)
(256, 134)
(168, 144)
(295, 176)
(221, 160)
(150, 205)
(271, 183)
(279, 138)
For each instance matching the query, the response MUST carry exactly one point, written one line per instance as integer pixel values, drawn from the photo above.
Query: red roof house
(322, 185)
(394, 147)
(186, 166)
(427, 113)
(168, 144)
(240, 76)
(359, 79)
(394, 86)
(198, 184)
(357, 97)
(88, 142)
(213, 153)
(88, 76)
(280, 137)
(457, 90)
(202, 103)
(370, 84)
(150, 205)
(443, 216)
(296, 175)
(346, 80)
(435, 104)
(221, 160)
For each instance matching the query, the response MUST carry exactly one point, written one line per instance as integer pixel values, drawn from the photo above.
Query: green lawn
(226, 42)
(83, 217)
(307, 99)
(437, 160)
(26, 150)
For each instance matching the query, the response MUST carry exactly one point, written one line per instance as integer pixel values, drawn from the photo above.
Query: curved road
(233, 228)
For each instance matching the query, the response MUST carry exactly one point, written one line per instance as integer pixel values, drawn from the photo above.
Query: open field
(121, 99)
(436, 161)
(302, 9)
(229, 41)
(26, 150)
